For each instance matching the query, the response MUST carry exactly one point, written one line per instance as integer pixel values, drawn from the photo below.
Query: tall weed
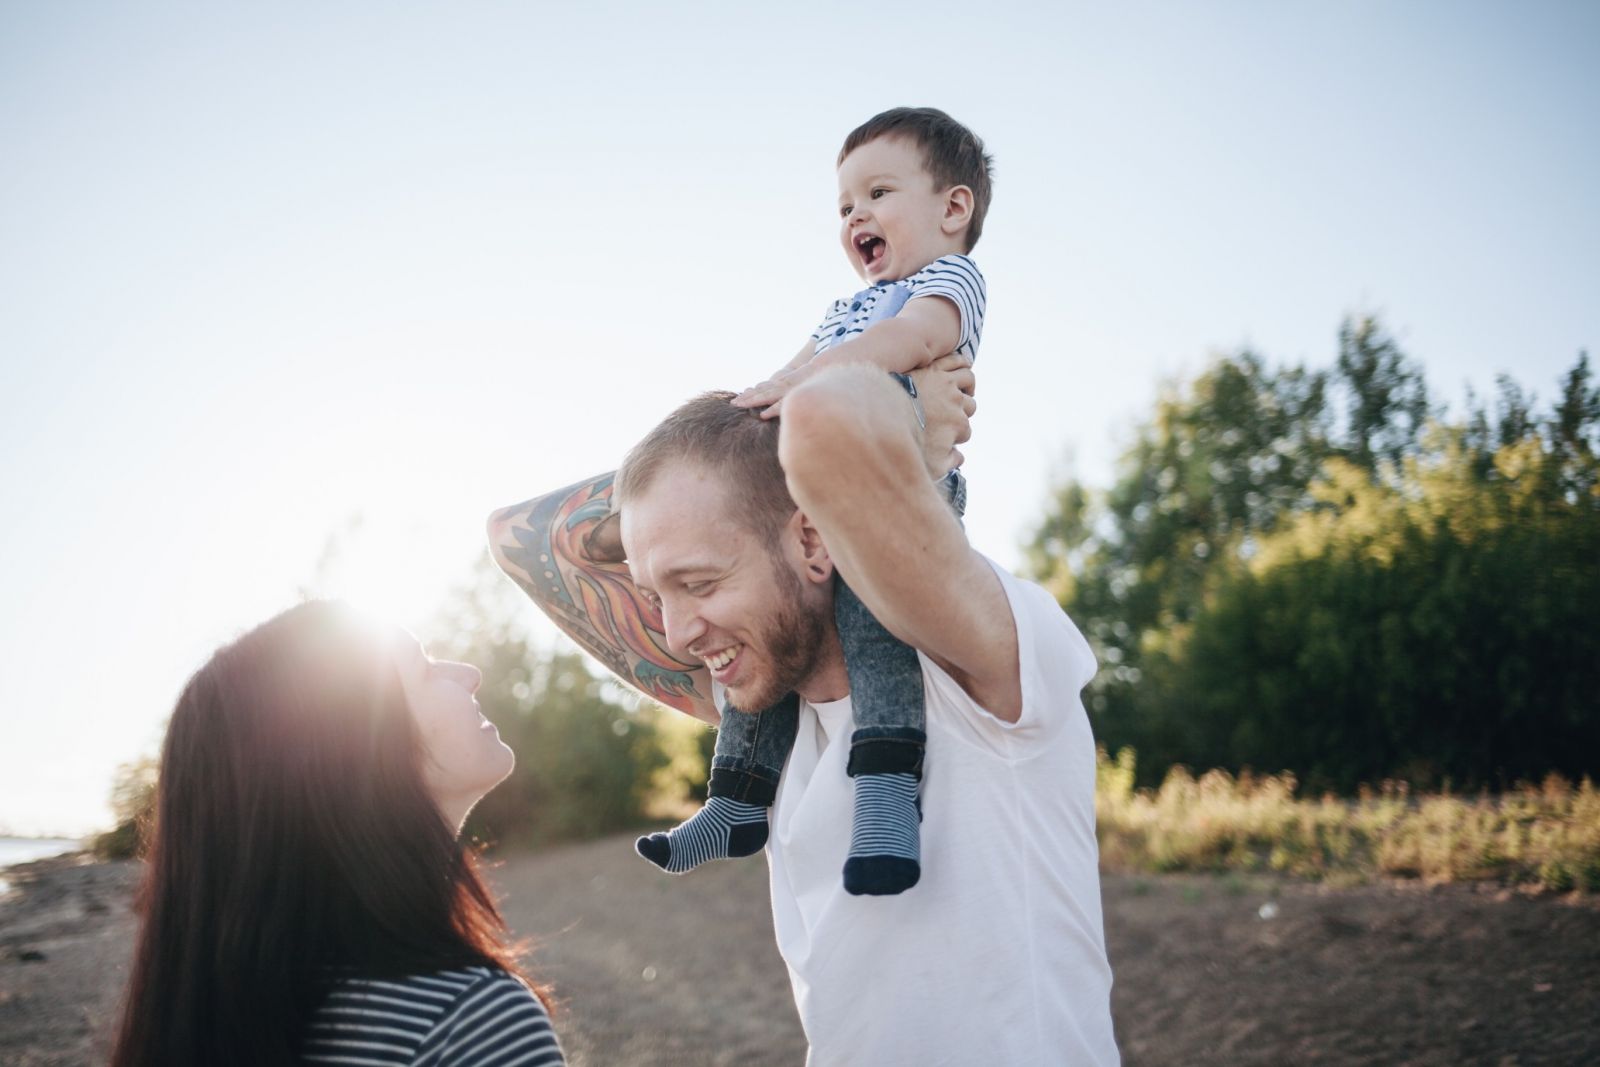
(1545, 834)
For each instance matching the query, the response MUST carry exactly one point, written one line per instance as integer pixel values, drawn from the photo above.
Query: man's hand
(946, 389)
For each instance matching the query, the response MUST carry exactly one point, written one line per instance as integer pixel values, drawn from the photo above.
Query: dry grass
(1546, 835)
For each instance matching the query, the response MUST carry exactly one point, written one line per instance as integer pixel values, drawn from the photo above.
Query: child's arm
(801, 358)
(922, 332)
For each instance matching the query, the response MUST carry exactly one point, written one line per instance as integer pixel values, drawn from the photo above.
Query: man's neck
(828, 680)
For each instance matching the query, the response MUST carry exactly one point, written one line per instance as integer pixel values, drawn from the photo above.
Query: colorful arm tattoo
(540, 545)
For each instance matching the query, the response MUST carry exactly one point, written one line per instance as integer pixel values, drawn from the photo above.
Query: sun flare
(397, 571)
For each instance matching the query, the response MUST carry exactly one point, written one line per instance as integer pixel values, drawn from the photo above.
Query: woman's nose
(469, 676)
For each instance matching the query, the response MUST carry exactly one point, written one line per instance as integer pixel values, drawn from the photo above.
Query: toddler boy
(914, 187)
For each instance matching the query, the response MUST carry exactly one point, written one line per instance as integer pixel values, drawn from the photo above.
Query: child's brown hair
(951, 154)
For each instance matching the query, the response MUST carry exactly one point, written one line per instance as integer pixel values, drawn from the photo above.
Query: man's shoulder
(1047, 638)
(1025, 594)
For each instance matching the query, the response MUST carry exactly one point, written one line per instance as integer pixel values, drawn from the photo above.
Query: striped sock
(885, 838)
(723, 828)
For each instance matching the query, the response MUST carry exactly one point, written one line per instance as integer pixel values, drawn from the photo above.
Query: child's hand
(770, 393)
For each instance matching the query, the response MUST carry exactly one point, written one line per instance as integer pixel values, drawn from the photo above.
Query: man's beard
(791, 637)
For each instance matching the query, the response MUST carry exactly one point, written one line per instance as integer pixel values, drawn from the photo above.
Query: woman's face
(463, 756)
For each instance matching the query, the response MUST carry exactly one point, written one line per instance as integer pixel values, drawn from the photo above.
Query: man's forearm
(852, 458)
(561, 550)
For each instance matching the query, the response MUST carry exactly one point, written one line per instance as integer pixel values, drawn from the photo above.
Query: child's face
(893, 222)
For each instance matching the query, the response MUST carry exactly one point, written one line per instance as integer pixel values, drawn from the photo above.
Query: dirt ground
(1209, 970)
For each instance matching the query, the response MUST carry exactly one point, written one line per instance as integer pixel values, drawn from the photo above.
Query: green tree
(1385, 397)
(1300, 570)
(1573, 435)
(1223, 460)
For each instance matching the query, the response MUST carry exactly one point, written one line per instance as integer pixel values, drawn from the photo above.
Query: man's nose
(683, 625)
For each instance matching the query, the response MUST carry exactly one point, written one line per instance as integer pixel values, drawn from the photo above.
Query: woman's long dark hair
(294, 840)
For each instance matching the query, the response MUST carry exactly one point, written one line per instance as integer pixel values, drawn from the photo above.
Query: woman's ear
(957, 210)
(813, 553)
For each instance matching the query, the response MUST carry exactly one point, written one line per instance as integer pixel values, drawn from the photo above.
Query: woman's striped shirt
(471, 1017)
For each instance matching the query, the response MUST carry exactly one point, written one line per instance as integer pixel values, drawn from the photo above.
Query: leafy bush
(133, 802)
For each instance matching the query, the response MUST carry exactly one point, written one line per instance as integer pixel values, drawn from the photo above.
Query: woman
(307, 899)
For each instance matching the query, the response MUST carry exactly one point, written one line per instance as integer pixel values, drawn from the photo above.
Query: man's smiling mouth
(719, 660)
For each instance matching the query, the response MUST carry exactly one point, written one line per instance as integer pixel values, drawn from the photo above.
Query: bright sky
(268, 278)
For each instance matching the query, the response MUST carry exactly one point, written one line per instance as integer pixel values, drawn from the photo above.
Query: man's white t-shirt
(997, 956)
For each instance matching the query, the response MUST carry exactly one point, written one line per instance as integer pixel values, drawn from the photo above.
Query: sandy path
(1394, 974)
(1388, 974)
(654, 969)
(66, 932)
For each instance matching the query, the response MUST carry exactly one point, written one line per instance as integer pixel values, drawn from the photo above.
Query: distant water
(28, 849)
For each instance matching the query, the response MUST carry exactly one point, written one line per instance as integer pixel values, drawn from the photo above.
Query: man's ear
(813, 553)
(958, 203)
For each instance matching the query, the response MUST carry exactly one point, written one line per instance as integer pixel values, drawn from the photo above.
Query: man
(732, 530)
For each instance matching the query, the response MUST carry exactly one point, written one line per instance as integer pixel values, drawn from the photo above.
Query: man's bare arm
(857, 466)
(562, 550)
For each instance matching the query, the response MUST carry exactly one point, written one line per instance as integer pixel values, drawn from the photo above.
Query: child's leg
(751, 750)
(886, 750)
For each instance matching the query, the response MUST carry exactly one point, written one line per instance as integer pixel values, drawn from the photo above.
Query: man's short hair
(735, 444)
(951, 154)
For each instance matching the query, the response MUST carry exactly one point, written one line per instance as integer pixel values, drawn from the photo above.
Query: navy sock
(885, 837)
(723, 828)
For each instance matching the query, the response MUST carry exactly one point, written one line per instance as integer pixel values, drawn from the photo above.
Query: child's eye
(877, 194)
(844, 212)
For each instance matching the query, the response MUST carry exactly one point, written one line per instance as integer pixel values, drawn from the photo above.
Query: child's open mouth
(871, 249)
